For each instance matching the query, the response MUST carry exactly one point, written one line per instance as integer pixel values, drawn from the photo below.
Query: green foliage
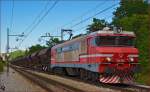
(52, 42)
(34, 48)
(128, 8)
(97, 25)
(132, 15)
(20, 53)
(1, 66)
(16, 54)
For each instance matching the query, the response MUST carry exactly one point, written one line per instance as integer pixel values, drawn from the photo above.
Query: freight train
(106, 56)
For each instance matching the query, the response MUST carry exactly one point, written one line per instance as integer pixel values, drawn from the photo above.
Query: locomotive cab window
(114, 41)
(93, 42)
(59, 50)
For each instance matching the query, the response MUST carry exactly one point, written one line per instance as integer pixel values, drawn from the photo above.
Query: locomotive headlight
(108, 59)
(131, 59)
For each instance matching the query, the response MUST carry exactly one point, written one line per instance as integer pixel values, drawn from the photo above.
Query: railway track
(49, 85)
(123, 87)
(54, 86)
(140, 88)
(126, 87)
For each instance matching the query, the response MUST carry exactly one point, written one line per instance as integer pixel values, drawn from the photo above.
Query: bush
(1, 66)
(140, 25)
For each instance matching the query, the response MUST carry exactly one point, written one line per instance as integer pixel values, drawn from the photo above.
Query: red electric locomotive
(107, 56)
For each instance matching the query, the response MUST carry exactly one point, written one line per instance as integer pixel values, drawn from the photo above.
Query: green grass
(1, 66)
(143, 77)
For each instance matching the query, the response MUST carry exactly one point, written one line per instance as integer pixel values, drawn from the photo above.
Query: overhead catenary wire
(38, 16)
(85, 13)
(94, 15)
(104, 10)
(35, 20)
(84, 20)
(107, 17)
(71, 26)
(38, 22)
(84, 28)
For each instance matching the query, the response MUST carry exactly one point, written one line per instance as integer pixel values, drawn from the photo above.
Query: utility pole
(7, 47)
(66, 30)
(7, 51)
(0, 29)
(0, 35)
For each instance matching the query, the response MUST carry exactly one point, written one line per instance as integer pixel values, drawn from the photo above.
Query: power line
(39, 21)
(35, 20)
(94, 15)
(85, 13)
(37, 17)
(91, 17)
(107, 17)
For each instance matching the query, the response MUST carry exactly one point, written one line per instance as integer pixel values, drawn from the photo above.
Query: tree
(97, 25)
(132, 15)
(52, 42)
(16, 54)
(128, 8)
(1, 66)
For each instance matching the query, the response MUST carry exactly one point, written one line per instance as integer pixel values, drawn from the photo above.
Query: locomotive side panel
(70, 52)
(83, 46)
(58, 55)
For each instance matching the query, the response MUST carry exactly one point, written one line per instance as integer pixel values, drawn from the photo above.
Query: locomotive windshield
(114, 41)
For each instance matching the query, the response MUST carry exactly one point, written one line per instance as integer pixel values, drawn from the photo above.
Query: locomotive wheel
(95, 76)
(86, 75)
(89, 75)
(82, 74)
(92, 76)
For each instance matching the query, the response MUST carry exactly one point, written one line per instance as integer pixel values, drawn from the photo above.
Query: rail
(49, 85)
(55, 83)
(63, 86)
(140, 88)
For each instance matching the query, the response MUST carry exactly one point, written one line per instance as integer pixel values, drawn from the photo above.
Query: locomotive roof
(71, 41)
(112, 33)
(100, 32)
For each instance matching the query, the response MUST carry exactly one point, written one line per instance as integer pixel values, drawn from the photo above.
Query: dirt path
(14, 82)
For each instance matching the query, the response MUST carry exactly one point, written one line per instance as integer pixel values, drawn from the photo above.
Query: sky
(63, 15)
